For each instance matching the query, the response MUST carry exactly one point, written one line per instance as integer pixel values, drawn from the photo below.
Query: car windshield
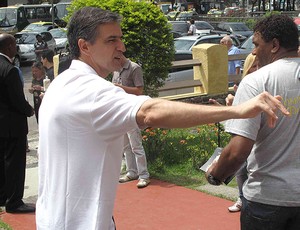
(248, 44)
(180, 27)
(239, 27)
(8, 17)
(183, 44)
(172, 13)
(25, 38)
(203, 26)
(187, 14)
(58, 33)
(37, 27)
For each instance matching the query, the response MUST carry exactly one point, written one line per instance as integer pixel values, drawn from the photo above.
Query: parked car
(183, 48)
(188, 42)
(247, 46)
(187, 15)
(234, 11)
(203, 27)
(60, 37)
(181, 74)
(171, 16)
(40, 26)
(179, 28)
(215, 12)
(25, 45)
(239, 29)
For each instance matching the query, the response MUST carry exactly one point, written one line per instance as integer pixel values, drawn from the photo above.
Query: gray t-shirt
(130, 75)
(274, 162)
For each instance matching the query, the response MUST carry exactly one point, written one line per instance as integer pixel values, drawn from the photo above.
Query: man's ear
(83, 46)
(275, 45)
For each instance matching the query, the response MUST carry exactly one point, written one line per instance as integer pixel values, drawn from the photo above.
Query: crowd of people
(82, 138)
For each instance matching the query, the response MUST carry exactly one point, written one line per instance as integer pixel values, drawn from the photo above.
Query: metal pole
(52, 13)
(247, 8)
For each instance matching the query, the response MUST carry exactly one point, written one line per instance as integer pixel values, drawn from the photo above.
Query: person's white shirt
(83, 119)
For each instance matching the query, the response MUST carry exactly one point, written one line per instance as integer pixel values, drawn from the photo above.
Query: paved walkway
(160, 206)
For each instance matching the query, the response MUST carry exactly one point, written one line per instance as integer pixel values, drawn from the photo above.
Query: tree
(147, 37)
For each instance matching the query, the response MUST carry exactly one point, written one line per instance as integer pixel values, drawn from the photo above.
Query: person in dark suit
(14, 110)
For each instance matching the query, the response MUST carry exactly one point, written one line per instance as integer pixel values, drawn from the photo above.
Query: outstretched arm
(168, 114)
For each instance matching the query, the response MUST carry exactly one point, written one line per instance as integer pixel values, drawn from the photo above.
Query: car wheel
(17, 61)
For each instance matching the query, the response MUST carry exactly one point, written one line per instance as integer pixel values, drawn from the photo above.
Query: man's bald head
(8, 45)
(226, 40)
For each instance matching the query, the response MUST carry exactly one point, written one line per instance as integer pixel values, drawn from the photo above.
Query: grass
(4, 226)
(182, 175)
(175, 155)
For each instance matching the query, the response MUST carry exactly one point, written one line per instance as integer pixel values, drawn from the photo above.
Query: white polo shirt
(83, 119)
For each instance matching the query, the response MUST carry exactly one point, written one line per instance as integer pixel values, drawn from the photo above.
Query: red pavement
(160, 206)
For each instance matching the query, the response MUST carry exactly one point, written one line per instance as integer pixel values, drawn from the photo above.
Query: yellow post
(55, 64)
(213, 72)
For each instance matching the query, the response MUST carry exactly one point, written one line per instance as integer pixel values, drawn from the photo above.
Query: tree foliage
(146, 34)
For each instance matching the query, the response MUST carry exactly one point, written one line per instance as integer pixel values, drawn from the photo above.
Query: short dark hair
(48, 54)
(84, 24)
(281, 27)
(38, 65)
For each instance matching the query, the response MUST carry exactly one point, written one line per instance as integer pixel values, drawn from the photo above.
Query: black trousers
(12, 171)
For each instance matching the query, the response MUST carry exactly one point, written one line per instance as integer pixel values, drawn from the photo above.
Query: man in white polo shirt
(83, 120)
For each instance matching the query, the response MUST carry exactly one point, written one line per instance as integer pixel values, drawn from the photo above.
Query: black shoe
(24, 208)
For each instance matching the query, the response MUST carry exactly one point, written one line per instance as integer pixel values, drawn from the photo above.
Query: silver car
(25, 45)
(60, 36)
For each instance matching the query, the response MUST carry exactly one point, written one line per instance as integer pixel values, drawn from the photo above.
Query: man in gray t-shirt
(130, 78)
(272, 192)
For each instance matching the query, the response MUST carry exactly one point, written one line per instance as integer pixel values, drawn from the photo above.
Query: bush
(147, 37)
(191, 146)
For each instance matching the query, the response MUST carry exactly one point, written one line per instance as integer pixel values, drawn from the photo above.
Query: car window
(47, 37)
(239, 27)
(180, 27)
(203, 26)
(227, 28)
(58, 33)
(38, 27)
(248, 44)
(183, 44)
(209, 40)
(25, 38)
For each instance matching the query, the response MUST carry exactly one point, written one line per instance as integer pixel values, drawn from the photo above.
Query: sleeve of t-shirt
(114, 111)
(137, 76)
(245, 127)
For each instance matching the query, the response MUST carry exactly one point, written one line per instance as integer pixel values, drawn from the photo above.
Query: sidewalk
(160, 206)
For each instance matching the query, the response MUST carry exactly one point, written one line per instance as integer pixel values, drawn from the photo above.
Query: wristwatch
(212, 180)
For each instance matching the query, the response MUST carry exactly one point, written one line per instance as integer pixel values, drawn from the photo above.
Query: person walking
(13, 132)
(130, 78)
(38, 75)
(39, 47)
(271, 198)
(83, 120)
(192, 28)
